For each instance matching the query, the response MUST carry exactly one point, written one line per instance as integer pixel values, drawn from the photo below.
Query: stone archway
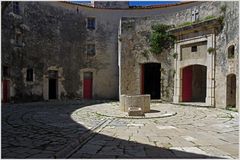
(194, 79)
(231, 90)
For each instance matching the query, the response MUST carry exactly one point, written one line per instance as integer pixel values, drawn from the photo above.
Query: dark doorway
(151, 80)
(52, 88)
(231, 90)
(194, 79)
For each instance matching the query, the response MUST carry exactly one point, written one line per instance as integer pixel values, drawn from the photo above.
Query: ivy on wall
(161, 39)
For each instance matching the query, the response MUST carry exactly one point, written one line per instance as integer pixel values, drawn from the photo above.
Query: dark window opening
(91, 23)
(6, 71)
(91, 49)
(194, 48)
(18, 39)
(29, 75)
(231, 51)
(16, 9)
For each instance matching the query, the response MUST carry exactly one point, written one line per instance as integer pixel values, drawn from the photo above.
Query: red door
(87, 85)
(187, 84)
(142, 79)
(5, 91)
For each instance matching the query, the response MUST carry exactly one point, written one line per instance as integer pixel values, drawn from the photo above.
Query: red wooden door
(187, 84)
(142, 79)
(87, 85)
(5, 91)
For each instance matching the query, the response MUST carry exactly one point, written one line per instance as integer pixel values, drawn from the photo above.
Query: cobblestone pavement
(75, 129)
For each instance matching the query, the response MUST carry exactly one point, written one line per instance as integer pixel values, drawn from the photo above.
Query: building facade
(61, 50)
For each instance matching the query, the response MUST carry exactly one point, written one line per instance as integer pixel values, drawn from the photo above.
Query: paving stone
(45, 127)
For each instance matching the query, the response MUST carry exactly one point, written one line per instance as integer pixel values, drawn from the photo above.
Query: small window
(91, 49)
(18, 39)
(231, 51)
(6, 71)
(16, 9)
(91, 23)
(29, 77)
(194, 49)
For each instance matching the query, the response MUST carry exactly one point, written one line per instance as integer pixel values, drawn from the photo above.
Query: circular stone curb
(140, 117)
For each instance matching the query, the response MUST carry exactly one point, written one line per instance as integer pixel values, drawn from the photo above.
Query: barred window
(91, 23)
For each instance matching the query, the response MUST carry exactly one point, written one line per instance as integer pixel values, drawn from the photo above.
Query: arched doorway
(194, 79)
(151, 80)
(231, 90)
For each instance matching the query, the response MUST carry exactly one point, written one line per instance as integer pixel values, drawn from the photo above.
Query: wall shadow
(46, 129)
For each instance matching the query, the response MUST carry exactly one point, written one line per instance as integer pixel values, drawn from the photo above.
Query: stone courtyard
(92, 129)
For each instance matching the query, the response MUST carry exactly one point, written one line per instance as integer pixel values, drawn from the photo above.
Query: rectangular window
(91, 49)
(29, 77)
(91, 23)
(16, 9)
(194, 49)
(6, 71)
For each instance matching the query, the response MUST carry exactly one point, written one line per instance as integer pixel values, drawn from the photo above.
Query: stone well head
(135, 101)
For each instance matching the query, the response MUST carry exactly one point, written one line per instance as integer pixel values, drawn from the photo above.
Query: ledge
(197, 26)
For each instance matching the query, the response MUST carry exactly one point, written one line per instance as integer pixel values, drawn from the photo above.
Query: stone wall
(134, 42)
(58, 36)
(57, 40)
(224, 66)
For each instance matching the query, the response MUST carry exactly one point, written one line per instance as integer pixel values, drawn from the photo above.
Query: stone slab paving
(46, 129)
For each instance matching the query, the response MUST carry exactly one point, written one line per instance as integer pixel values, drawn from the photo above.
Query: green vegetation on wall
(161, 39)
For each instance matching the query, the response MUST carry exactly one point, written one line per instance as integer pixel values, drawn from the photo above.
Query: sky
(142, 3)
(147, 3)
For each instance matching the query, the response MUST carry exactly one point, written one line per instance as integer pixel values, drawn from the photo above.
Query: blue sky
(143, 3)
(147, 3)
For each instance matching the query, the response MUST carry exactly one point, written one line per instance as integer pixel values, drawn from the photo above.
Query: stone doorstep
(135, 111)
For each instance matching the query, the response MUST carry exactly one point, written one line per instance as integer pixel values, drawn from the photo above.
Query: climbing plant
(161, 39)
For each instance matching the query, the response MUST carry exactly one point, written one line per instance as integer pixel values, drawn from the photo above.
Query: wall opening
(194, 80)
(231, 51)
(231, 90)
(52, 84)
(87, 85)
(151, 77)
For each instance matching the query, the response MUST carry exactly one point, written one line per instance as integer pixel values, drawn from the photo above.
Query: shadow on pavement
(47, 130)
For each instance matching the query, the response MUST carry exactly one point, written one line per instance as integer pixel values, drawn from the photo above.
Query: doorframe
(60, 78)
(93, 81)
(142, 79)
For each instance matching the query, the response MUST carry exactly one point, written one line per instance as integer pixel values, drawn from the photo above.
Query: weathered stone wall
(134, 42)
(224, 66)
(57, 40)
(58, 36)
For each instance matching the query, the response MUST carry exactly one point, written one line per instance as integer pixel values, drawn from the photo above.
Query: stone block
(137, 101)
(135, 111)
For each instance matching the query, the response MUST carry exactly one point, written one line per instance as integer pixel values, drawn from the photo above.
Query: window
(29, 75)
(91, 23)
(194, 49)
(91, 49)
(18, 39)
(6, 71)
(231, 51)
(16, 9)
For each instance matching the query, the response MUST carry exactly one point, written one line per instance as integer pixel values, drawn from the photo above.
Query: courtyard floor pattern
(75, 129)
